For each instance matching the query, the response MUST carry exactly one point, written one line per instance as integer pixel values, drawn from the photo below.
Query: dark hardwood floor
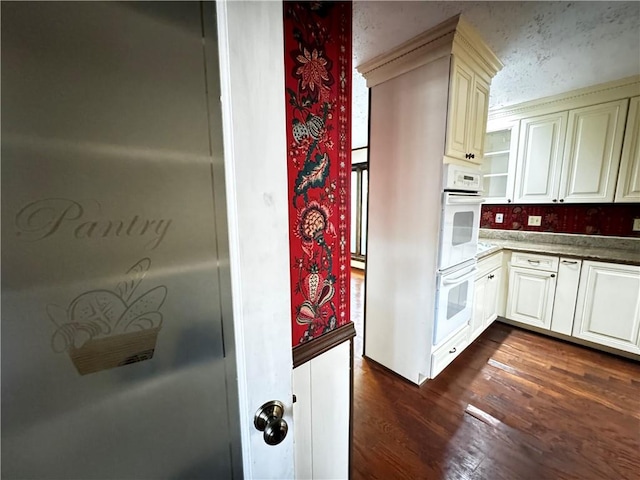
(514, 405)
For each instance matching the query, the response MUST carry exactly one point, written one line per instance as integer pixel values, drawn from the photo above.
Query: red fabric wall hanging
(317, 44)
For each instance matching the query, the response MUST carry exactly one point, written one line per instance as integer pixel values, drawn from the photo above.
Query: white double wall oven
(460, 224)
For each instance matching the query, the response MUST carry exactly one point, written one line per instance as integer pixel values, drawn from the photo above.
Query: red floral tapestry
(317, 43)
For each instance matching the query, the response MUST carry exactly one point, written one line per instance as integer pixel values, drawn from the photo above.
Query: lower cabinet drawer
(534, 261)
(447, 352)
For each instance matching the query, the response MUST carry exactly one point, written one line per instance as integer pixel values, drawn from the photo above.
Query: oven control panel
(457, 177)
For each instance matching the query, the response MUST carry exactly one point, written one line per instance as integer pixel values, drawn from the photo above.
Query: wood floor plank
(515, 405)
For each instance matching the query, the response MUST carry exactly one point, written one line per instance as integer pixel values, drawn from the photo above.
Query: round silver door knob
(275, 432)
(268, 419)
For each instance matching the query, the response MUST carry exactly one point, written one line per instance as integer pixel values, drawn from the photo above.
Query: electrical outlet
(535, 220)
(499, 217)
(636, 224)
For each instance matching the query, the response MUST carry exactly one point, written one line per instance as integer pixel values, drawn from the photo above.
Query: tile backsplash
(589, 219)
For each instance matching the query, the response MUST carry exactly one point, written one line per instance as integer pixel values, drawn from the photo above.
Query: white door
(608, 306)
(539, 163)
(145, 273)
(253, 111)
(592, 153)
(564, 303)
(494, 280)
(530, 298)
(477, 317)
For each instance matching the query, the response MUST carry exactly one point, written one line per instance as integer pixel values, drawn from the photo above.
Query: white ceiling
(546, 47)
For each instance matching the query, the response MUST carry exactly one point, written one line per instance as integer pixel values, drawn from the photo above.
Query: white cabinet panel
(494, 280)
(447, 353)
(487, 292)
(459, 109)
(478, 122)
(628, 188)
(499, 162)
(564, 304)
(467, 114)
(303, 448)
(530, 298)
(608, 305)
(535, 261)
(477, 317)
(321, 415)
(540, 152)
(592, 152)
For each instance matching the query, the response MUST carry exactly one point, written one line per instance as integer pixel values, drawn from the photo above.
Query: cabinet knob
(491, 276)
(508, 200)
(473, 155)
(553, 275)
(453, 350)
(562, 200)
(467, 155)
(554, 200)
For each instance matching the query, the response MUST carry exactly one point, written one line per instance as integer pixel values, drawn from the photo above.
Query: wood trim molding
(308, 351)
(468, 39)
(583, 97)
(454, 35)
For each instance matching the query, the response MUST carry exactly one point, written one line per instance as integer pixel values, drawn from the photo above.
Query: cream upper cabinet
(479, 113)
(628, 189)
(499, 162)
(581, 146)
(467, 114)
(459, 108)
(592, 153)
(608, 305)
(539, 162)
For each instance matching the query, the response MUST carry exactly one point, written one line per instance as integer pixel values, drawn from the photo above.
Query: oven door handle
(460, 279)
(465, 200)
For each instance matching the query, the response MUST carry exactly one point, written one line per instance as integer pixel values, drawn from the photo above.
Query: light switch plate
(535, 220)
(499, 217)
(636, 224)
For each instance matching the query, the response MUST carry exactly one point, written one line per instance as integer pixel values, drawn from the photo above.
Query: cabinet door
(478, 119)
(499, 161)
(592, 152)
(530, 297)
(608, 306)
(540, 150)
(564, 303)
(494, 280)
(477, 317)
(460, 99)
(628, 189)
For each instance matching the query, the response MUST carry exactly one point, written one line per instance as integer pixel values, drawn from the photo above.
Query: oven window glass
(462, 228)
(457, 299)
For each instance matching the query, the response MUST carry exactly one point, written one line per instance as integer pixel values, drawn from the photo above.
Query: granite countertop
(589, 247)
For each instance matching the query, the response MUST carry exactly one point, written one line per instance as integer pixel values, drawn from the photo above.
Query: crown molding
(601, 93)
(453, 36)
(467, 38)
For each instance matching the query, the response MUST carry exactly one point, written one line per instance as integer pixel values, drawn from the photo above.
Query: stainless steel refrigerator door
(114, 249)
